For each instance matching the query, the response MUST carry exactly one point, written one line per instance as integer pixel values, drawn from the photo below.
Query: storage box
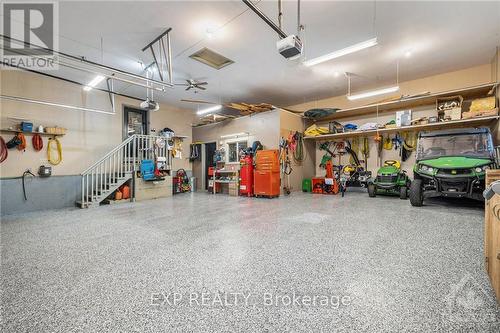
(403, 118)
(483, 104)
(26, 126)
(491, 232)
(449, 108)
(484, 113)
(55, 130)
(453, 114)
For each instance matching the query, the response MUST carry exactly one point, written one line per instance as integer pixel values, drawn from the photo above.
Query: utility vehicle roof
(456, 131)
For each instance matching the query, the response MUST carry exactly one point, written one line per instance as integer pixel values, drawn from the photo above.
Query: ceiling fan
(193, 84)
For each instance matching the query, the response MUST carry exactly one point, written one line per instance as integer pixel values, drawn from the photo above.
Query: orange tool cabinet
(267, 174)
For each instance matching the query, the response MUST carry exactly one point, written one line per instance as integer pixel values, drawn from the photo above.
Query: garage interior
(250, 166)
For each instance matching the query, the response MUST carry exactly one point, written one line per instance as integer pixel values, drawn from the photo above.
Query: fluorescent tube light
(234, 135)
(95, 81)
(343, 52)
(210, 109)
(372, 93)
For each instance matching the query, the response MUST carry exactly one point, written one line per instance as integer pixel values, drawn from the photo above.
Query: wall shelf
(29, 133)
(473, 122)
(408, 103)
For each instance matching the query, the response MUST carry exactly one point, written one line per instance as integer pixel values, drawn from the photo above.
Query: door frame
(204, 168)
(125, 110)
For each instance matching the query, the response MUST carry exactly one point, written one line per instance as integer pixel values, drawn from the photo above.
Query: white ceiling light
(343, 52)
(95, 81)
(372, 93)
(234, 135)
(210, 109)
(408, 53)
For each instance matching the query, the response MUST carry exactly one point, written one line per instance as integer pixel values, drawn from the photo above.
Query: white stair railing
(118, 166)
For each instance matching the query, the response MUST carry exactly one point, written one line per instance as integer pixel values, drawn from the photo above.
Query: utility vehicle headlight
(424, 168)
(478, 169)
(430, 169)
(486, 167)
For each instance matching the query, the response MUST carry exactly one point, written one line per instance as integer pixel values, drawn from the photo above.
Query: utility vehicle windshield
(477, 145)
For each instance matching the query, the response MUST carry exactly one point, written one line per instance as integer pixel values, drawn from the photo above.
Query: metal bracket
(162, 55)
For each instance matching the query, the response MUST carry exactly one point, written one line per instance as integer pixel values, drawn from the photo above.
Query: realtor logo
(29, 34)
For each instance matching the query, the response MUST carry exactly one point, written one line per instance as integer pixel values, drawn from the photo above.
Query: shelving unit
(234, 173)
(29, 133)
(482, 121)
(413, 102)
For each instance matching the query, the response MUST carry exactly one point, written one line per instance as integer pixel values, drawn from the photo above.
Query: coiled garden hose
(22, 138)
(4, 152)
(298, 153)
(59, 151)
(37, 142)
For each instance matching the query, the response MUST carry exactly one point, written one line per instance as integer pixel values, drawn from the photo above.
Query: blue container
(147, 169)
(26, 126)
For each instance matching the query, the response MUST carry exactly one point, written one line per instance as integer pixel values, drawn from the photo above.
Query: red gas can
(246, 176)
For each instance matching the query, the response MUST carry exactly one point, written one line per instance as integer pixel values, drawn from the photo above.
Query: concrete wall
(90, 135)
(443, 82)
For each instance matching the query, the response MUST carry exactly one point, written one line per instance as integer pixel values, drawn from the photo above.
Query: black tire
(416, 193)
(403, 193)
(372, 190)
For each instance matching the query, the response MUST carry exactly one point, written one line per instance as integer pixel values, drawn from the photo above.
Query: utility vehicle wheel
(403, 192)
(372, 190)
(416, 193)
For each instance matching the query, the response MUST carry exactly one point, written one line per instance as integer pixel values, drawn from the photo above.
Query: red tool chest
(267, 174)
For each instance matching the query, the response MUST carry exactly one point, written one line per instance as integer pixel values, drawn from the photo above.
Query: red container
(267, 174)
(267, 160)
(266, 183)
(246, 176)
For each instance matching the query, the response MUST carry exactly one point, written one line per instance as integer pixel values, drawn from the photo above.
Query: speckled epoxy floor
(378, 264)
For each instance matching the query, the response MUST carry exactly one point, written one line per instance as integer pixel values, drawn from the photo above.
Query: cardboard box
(484, 113)
(453, 114)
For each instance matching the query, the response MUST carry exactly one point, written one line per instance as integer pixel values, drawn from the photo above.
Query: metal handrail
(121, 145)
(103, 176)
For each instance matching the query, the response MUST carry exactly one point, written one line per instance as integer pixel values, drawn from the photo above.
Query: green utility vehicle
(452, 163)
(390, 180)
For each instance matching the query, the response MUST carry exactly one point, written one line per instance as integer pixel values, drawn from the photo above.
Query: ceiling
(442, 36)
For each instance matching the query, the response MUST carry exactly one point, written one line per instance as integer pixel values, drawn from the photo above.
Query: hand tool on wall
(25, 174)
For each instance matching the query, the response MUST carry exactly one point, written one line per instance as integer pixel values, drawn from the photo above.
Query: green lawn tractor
(452, 163)
(390, 180)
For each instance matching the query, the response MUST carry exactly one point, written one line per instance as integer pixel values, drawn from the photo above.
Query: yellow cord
(59, 151)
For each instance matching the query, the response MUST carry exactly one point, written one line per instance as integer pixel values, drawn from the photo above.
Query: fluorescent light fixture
(95, 81)
(372, 93)
(210, 109)
(234, 135)
(343, 52)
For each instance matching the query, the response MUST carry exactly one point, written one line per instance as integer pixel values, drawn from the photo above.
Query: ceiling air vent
(211, 58)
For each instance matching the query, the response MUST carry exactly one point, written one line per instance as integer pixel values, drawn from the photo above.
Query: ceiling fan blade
(201, 83)
(197, 101)
(202, 88)
(189, 87)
